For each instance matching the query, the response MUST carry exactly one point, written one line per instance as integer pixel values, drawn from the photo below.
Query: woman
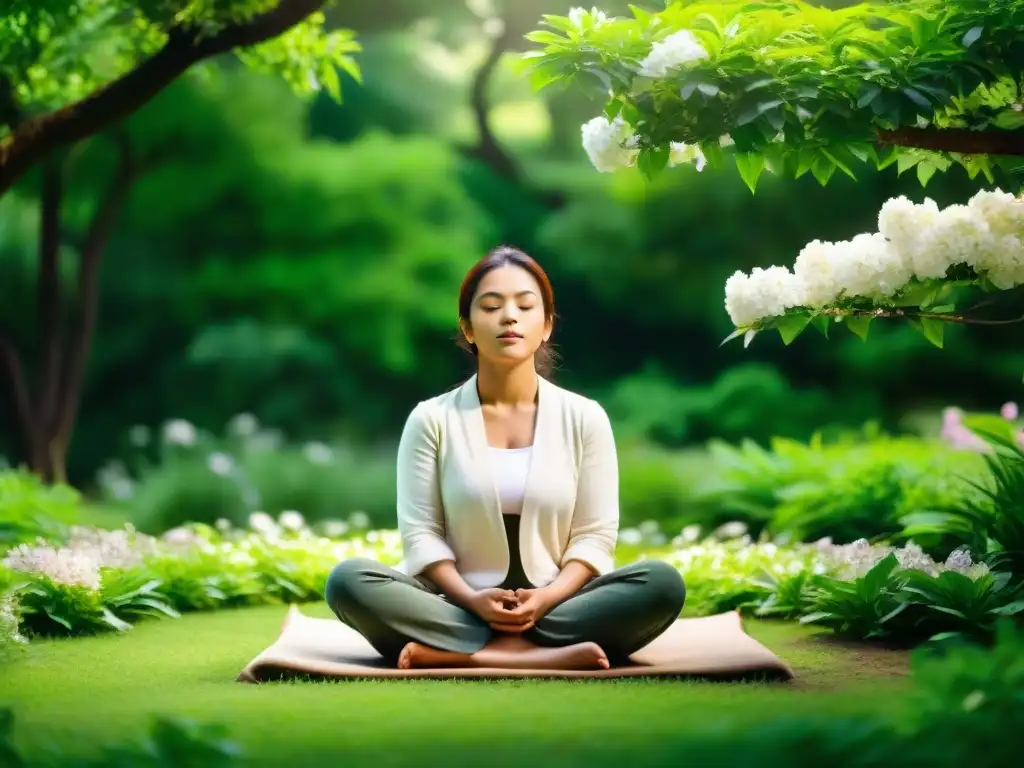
(508, 511)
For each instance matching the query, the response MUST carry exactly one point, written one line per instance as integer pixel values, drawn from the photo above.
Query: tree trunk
(46, 422)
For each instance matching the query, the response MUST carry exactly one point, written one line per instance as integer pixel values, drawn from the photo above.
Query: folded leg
(391, 609)
(621, 611)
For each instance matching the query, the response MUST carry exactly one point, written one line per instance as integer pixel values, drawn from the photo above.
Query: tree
(791, 88)
(72, 69)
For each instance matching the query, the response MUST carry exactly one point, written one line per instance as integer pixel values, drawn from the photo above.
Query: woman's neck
(507, 386)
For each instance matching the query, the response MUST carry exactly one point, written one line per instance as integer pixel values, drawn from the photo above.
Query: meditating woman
(508, 511)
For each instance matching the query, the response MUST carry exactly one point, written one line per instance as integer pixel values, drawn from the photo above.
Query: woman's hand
(494, 606)
(533, 605)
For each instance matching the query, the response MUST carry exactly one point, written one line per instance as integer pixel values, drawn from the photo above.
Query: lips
(510, 335)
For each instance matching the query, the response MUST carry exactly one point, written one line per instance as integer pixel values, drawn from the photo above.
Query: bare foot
(507, 653)
(417, 656)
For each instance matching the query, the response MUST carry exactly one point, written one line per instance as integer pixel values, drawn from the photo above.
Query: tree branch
(487, 147)
(96, 239)
(963, 141)
(48, 303)
(37, 137)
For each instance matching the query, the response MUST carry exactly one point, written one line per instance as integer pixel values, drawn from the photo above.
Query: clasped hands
(510, 611)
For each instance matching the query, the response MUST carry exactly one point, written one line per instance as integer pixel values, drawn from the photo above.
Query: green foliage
(751, 400)
(30, 509)
(855, 487)
(171, 741)
(248, 468)
(54, 52)
(988, 512)
(827, 82)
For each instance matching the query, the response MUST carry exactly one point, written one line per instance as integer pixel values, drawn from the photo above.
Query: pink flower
(1009, 411)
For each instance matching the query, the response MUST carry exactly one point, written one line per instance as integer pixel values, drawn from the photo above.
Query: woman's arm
(595, 521)
(420, 512)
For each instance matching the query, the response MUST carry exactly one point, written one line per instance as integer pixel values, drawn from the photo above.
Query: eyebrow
(496, 295)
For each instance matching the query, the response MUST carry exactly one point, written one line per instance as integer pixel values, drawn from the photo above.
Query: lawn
(84, 692)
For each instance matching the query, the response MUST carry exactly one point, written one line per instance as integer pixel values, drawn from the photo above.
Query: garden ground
(81, 693)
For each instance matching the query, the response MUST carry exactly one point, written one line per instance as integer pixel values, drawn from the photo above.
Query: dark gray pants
(621, 611)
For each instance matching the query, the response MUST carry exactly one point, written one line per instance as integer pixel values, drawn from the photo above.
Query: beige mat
(710, 646)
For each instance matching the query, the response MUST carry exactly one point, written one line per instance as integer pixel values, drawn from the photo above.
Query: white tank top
(510, 467)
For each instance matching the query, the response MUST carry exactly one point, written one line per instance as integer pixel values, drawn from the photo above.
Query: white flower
(292, 520)
(733, 530)
(762, 294)
(139, 435)
(959, 560)
(61, 565)
(690, 533)
(359, 519)
(220, 464)
(815, 270)
(609, 144)
(675, 51)
(261, 522)
(631, 536)
(318, 453)
(179, 432)
(335, 529)
(868, 266)
(576, 16)
(243, 425)
(680, 153)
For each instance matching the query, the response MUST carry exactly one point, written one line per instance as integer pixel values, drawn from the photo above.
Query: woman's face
(506, 319)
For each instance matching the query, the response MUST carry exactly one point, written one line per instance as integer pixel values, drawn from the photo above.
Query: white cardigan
(448, 505)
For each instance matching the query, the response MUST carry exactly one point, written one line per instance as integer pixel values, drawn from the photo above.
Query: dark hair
(503, 256)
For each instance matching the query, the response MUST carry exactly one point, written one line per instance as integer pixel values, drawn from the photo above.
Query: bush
(29, 509)
(193, 477)
(861, 486)
(173, 741)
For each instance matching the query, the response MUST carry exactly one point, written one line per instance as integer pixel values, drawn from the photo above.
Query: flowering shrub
(921, 257)
(102, 580)
(988, 512)
(184, 475)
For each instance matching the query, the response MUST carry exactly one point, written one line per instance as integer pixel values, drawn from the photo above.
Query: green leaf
(972, 36)
(791, 326)
(822, 168)
(859, 324)
(1011, 609)
(930, 328)
(925, 171)
(753, 112)
(652, 160)
(331, 82)
(822, 323)
(750, 166)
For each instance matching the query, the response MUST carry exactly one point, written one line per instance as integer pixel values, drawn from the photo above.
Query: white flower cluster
(9, 623)
(78, 562)
(611, 145)
(677, 50)
(914, 240)
(577, 15)
(857, 558)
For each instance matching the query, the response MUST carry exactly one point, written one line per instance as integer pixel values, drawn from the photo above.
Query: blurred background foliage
(300, 262)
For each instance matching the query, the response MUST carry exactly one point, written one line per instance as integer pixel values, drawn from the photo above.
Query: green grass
(81, 693)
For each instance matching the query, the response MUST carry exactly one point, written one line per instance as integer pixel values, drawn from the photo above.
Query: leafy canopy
(56, 52)
(799, 88)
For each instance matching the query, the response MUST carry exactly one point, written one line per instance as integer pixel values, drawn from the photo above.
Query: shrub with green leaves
(171, 740)
(987, 512)
(30, 509)
(852, 488)
(188, 476)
